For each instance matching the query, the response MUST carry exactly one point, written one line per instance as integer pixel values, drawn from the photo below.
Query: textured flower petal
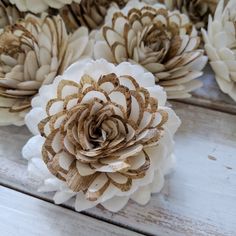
(90, 145)
(38, 169)
(211, 52)
(142, 196)
(146, 80)
(159, 93)
(61, 197)
(173, 122)
(197, 11)
(89, 13)
(81, 203)
(221, 69)
(50, 185)
(158, 182)
(138, 34)
(219, 40)
(34, 52)
(33, 147)
(33, 118)
(8, 118)
(38, 6)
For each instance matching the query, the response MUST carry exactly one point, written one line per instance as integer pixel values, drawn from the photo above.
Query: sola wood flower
(163, 42)
(104, 135)
(197, 10)
(8, 14)
(32, 52)
(220, 45)
(38, 6)
(90, 13)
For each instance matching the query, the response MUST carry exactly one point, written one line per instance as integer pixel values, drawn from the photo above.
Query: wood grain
(210, 95)
(198, 198)
(21, 214)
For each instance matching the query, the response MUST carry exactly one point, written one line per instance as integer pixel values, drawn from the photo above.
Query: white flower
(37, 6)
(220, 45)
(105, 135)
(163, 42)
(33, 52)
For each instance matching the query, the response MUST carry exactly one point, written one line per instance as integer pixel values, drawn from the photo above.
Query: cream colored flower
(33, 52)
(130, 5)
(38, 6)
(197, 10)
(163, 42)
(104, 135)
(220, 45)
(90, 13)
(8, 14)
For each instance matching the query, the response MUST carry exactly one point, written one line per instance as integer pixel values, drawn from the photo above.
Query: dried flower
(8, 14)
(220, 45)
(163, 42)
(197, 10)
(90, 13)
(104, 135)
(38, 6)
(32, 52)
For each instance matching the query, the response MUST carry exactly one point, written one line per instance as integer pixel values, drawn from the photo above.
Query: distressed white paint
(21, 214)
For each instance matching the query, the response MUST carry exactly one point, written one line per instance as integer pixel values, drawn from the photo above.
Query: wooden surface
(25, 215)
(199, 198)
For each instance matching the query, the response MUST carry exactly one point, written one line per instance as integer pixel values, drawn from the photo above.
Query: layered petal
(220, 42)
(8, 14)
(197, 10)
(103, 136)
(38, 6)
(90, 13)
(33, 52)
(164, 42)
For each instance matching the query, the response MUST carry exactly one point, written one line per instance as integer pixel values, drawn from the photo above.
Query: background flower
(104, 135)
(38, 6)
(163, 42)
(34, 51)
(197, 10)
(220, 44)
(8, 14)
(90, 13)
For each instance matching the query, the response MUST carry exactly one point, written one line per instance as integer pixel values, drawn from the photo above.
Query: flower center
(153, 41)
(102, 127)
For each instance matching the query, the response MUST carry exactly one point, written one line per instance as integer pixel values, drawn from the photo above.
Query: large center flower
(96, 135)
(102, 135)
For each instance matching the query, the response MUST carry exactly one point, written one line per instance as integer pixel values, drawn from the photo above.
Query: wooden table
(199, 198)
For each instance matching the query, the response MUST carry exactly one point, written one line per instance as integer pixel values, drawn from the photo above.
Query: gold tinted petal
(100, 134)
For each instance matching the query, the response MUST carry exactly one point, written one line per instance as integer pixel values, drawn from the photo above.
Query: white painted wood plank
(21, 214)
(198, 198)
(210, 96)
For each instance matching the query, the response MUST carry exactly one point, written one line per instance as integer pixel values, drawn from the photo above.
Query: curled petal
(103, 136)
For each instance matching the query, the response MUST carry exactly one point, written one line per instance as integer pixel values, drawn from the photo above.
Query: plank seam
(206, 106)
(82, 213)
